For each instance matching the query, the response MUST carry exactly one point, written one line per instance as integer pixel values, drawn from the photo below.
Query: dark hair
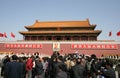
(37, 56)
(14, 57)
(60, 58)
(109, 64)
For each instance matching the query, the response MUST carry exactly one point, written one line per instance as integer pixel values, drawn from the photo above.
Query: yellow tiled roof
(38, 24)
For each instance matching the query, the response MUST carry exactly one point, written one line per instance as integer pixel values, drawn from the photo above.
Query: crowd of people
(58, 66)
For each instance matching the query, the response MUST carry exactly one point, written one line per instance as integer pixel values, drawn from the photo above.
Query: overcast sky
(15, 14)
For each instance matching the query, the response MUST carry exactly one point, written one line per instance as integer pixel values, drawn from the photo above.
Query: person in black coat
(61, 73)
(13, 69)
(77, 71)
(109, 72)
(38, 68)
(4, 61)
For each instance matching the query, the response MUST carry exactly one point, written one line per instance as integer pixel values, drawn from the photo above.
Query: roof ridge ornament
(88, 21)
(37, 21)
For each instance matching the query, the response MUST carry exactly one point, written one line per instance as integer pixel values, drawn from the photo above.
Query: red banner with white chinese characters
(23, 45)
(94, 46)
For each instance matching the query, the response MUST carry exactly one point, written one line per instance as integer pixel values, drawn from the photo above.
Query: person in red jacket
(29, 66)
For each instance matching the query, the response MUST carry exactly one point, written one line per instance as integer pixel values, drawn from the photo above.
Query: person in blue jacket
(14, 68)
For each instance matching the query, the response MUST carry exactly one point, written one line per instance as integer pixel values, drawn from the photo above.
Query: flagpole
(5, 36)
(118, 35)
(1, 36)
(110, 35)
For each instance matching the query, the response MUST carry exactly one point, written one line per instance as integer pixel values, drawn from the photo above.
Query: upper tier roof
(38, 24)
